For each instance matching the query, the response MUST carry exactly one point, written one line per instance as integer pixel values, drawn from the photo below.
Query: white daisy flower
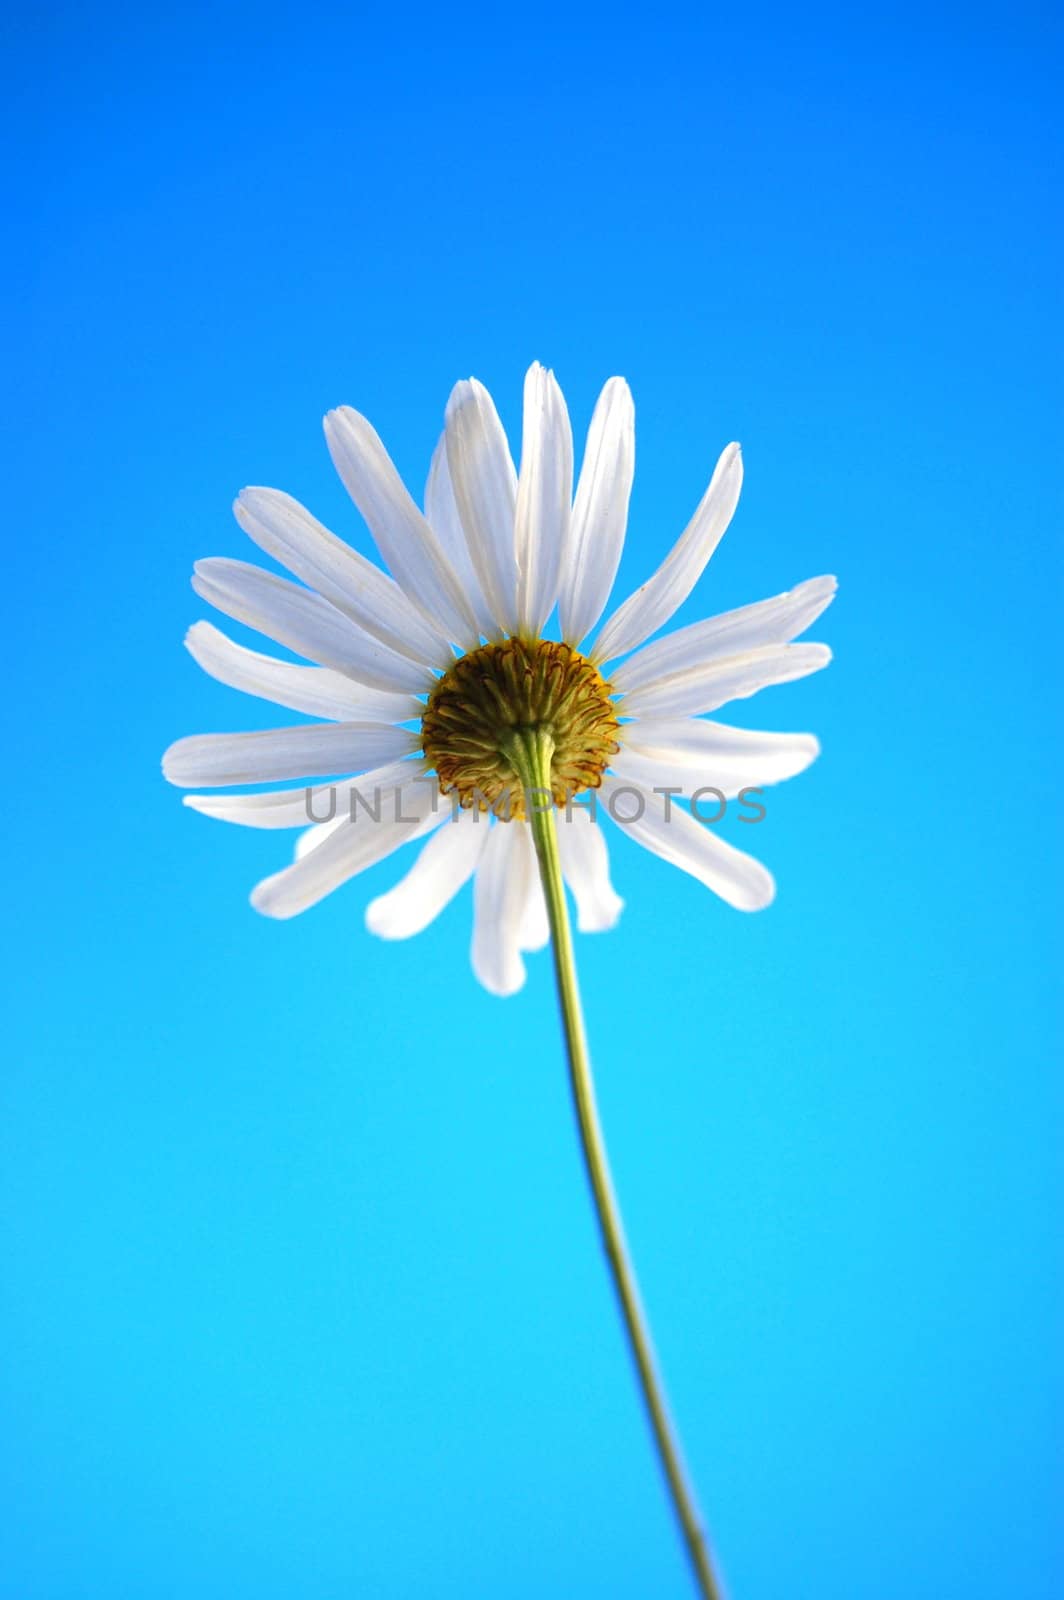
(427, 679)
(462, 723)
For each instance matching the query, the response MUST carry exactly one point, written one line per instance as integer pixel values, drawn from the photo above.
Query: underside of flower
(507, 726)
(482, 710)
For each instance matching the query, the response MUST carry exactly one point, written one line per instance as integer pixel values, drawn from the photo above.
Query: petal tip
(604, 921)
(171, 764)
(503, 988)
(263, 899)
(376, 920)
(339, 420)
(760, 894)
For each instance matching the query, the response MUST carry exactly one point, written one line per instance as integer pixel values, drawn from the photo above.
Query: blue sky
(302, 1293)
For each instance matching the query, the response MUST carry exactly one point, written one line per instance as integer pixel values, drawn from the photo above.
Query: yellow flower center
(485, 705)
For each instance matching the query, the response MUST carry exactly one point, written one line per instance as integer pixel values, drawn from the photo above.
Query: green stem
(532, 757)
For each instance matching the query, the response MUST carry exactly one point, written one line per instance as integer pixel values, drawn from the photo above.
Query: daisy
(463, 724)
(426, 677)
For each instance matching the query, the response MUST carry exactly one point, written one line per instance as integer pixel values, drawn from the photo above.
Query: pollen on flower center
(478, 711)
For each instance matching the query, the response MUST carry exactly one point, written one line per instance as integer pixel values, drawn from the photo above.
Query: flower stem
(532, 757)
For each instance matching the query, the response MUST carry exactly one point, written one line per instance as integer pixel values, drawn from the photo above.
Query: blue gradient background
(302, 1292)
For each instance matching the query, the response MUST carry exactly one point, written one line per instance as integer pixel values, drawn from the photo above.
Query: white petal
(534, 930)
(305, 623)
(586, 868)
(688, 692)
(685, 754)
(400, 532)
(691, 846)
(345, 851)
(600, 513)
(499, 897)
(441, 509)
(264, 757)
(485, 492)
(655, 601)
(544, 495)
(443, 866)
(376, 794)
(732, 633)
(287, 531)
(316, 691)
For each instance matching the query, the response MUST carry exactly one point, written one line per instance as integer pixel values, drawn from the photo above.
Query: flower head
(428, 680)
